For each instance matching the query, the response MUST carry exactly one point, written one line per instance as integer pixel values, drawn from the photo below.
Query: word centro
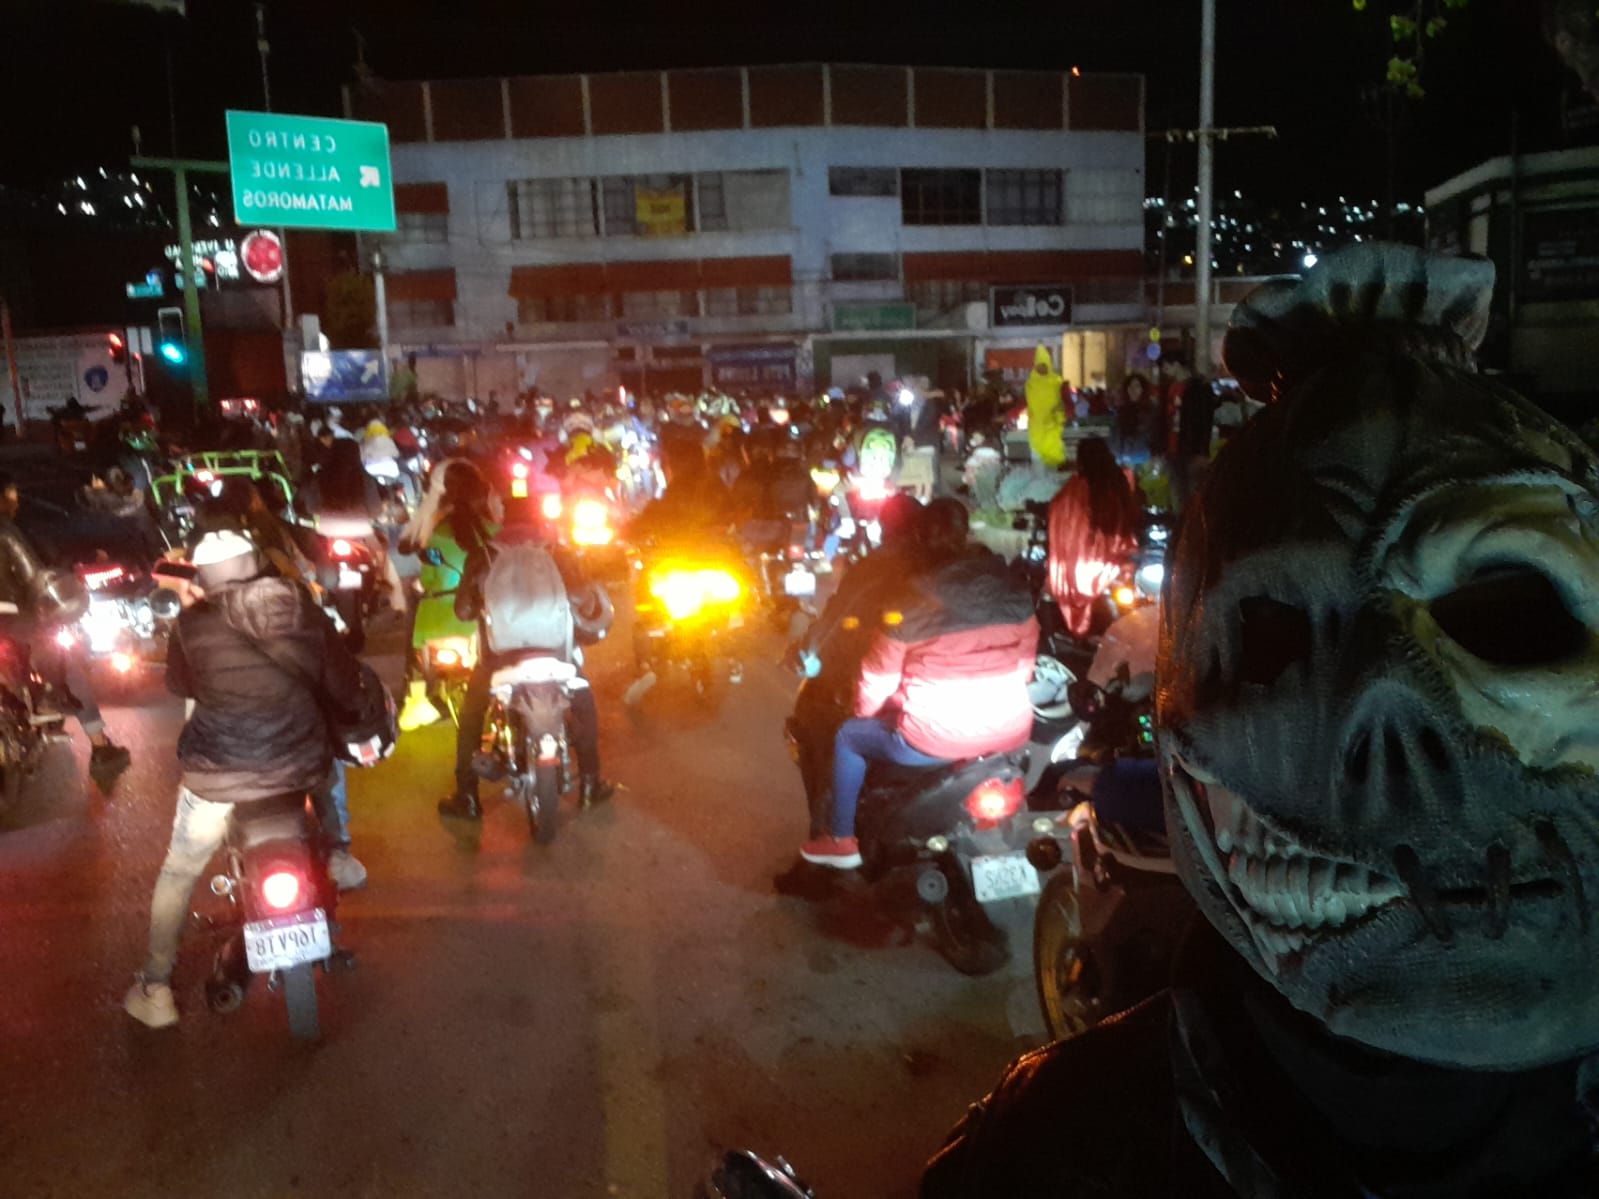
(317, 143)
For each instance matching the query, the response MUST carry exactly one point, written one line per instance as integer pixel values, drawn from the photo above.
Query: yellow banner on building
(661, 212)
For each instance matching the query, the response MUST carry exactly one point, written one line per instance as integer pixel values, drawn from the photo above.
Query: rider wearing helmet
(262, 664)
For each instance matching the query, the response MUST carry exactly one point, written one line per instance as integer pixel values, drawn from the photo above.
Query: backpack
(879, 449)
(525, 605)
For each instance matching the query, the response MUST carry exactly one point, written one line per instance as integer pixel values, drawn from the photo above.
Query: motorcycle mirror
(165, 604)
(742, 1174)
(432, 557)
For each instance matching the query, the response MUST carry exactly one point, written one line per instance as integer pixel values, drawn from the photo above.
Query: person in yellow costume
(1046, 411)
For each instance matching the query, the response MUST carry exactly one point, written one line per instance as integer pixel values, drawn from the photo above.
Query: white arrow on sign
(369, 177)
(369, 371)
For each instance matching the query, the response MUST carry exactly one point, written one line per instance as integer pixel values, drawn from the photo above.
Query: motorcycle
(685, 605)
(28, 723)
(525, 743)
(1112, 910)
(281, 906)
(347, 572)
(447, 664)
(121, 630)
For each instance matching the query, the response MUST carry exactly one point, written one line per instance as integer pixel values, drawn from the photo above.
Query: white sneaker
(151, 1004)
(346, 872)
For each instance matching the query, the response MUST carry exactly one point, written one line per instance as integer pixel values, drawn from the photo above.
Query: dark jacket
(21, 572)
(257, 729)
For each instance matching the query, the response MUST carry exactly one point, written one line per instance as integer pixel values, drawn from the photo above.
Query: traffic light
(170, 342)
(117, 346)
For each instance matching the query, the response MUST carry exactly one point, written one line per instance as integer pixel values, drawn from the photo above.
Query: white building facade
(779, 229)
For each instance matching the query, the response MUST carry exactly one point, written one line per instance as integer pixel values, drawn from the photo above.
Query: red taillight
(873, 489)
(992, 800)
(550, 505)
(342, 548)
(447, 657)
(280, 889)
(519, 470)
(95, 579)
(121, 663)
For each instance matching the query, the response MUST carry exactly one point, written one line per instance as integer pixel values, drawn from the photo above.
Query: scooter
(282, 907)
(686, 603)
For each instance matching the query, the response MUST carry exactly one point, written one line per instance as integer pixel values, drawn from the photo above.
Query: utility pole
(193, 333)
(380, 301)
(1207, 150)
(264, 48)
(1172, 136)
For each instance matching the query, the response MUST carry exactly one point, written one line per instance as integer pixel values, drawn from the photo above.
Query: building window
(941, 197)
(540, 310)
(741, 201)
(1104, 196)
(862, 181)
(647, 205)
(658, 305)
(421, 314)
(422, 226)
(551, 208)
(749, 301)
(1024, 197)
(862, 268)
(941, 295)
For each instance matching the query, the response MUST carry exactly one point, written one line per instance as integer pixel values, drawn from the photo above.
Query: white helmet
(225, 557)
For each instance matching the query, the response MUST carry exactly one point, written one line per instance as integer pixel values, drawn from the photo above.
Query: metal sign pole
(11, 367)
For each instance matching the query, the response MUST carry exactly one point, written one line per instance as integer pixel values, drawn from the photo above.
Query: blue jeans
(857, 742)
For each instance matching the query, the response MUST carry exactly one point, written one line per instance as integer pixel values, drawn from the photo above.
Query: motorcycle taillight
(281, 889)
(342, 548)
(994, 800)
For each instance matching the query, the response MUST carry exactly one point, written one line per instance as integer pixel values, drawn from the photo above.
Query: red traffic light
(118, 347)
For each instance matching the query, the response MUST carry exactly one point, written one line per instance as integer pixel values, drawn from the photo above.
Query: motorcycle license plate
(1003, 876)
(799, 582)
(349, 580)
(283, 941)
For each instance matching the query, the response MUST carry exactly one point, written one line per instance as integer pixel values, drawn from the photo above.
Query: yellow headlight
(679, 592)
(720, 586)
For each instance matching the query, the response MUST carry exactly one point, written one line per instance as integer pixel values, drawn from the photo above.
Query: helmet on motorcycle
(225, 557)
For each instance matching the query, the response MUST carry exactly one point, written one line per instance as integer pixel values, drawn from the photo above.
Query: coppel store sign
(1041, 304)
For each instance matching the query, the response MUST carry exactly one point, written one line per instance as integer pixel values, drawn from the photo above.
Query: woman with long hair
(1093, 527)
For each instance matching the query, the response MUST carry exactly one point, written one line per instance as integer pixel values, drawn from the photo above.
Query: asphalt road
(594, 1018)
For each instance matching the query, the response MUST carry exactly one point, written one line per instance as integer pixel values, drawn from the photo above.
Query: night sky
(83, 71)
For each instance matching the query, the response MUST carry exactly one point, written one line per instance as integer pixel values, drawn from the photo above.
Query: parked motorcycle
(281, 912)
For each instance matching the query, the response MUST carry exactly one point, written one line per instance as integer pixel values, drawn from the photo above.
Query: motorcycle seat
(891, 774)
(280, 818)
(535, 669)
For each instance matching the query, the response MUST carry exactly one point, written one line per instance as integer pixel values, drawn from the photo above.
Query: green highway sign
(310, 172)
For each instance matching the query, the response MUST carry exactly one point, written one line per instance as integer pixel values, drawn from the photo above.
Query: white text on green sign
(310, 172)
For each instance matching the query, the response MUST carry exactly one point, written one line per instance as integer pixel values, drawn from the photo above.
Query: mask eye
(1275, 636)
(1511, 616)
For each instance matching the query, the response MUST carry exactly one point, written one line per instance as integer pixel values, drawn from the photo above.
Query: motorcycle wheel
(349, 605)
(543, 800)
(965, 935)
(1061, 970)
(299, 1000)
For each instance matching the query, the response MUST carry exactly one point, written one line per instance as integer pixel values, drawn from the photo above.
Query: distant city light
(1309, 260)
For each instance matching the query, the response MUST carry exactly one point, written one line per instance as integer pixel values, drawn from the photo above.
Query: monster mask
(1379, 681)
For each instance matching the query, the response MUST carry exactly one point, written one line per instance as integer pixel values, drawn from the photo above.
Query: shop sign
(660, 211)
(873, 318)
(752, 365)
(1561, 248)
(651, 330)
(1043, 304)
(335, 376)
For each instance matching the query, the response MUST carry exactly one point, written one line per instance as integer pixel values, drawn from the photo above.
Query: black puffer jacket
(257, 730)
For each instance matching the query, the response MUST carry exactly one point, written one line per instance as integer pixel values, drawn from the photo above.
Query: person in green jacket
(462, 522)
(1046, 411)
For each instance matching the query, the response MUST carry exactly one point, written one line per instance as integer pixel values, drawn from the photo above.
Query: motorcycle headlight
(679, 592)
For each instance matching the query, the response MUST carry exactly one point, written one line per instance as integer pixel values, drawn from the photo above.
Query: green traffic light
(174, 353)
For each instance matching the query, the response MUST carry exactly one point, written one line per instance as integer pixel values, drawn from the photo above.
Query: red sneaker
(841, 853)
